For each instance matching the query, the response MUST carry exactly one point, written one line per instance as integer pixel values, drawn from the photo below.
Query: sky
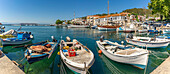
(48, 11)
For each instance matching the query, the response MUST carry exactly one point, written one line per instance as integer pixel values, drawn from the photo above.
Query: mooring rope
(111, 67)
(156, 56)
(62, 69)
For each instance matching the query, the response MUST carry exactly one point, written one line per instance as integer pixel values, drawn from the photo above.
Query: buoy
(58, 65)
(58, 53)
(100, 54)
(100, 51)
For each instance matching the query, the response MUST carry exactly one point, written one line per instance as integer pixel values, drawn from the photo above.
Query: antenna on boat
(61, 37)
(122, 42)
(54, 40)
(101, 38)
(108, 13)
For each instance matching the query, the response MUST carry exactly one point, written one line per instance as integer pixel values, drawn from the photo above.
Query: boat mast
(108, 13)
(74, 17)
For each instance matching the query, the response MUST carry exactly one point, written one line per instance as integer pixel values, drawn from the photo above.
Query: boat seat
(110, 47)
(126, 52)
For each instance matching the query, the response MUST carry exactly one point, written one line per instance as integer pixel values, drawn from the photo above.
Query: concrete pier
(164, 68)
(8, 67)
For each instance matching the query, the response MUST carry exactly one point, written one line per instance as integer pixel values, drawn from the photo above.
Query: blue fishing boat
(40, 51)
(153, 31)
(94, 27)
(21, 38)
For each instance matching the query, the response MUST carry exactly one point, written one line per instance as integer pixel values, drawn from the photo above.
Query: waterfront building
(91, 19)
(113, 19)
(78, 21)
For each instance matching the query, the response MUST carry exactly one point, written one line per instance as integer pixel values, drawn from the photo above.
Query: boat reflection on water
(8, 49)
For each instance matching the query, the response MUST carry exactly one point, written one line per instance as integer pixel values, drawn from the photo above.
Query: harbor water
(88, 37)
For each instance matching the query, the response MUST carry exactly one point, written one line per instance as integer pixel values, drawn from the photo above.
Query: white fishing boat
(76, 56)
(143, 28)
(143, 31)
(147, 42)
(94, 27)
(77, 26)
(124, 54)
(10, 32)
(21, 38)
(107, 28)
(166, 29)
(126, 30)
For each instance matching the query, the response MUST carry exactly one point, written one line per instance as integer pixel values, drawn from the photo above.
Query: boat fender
(58, 53)
(68, 39)
(100, 51)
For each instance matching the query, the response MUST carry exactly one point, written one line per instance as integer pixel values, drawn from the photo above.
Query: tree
(59, 22)
(137, 18)
(83, 17)
(160, 6)
(138, 11)
(68, 22)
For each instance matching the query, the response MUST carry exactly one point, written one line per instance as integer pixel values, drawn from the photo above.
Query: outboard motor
(68, 39)
(130, 36)
(29, 33)
(54, 40)
(101, 38)
(3, 27)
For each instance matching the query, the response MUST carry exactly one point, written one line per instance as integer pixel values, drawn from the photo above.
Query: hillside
(139, 11)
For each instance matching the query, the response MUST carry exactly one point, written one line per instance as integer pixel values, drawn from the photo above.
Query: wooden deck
(8, 67)
(81, 57)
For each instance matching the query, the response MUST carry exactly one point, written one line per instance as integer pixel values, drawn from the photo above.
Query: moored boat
(21, 38)
(94, 27)
(107, 28)
(147, 42)
(124, 54)
(126, 30)
(76, 56)
(40, 51)
(166, 29)
(142, 31)
(77, 26)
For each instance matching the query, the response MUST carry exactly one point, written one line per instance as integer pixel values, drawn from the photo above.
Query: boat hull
(147, 44)
(142, 31)
(77, 26)
(73, 67)
(106, 29)
(133, 60)
(153, 31)
(166, 31)
(35, 58)
(15, 42)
